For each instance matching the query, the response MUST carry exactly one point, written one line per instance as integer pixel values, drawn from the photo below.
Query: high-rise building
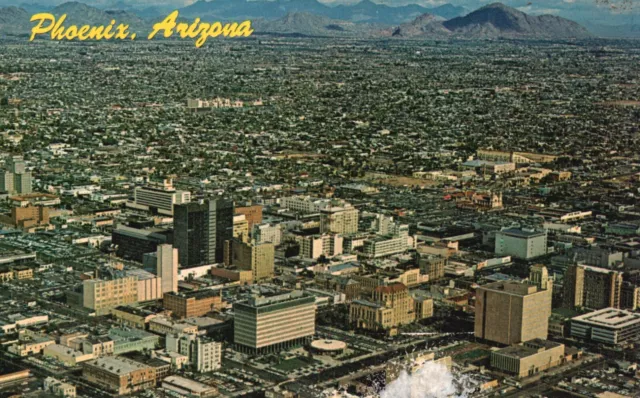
(339, 218)
(200, 230)
(134, 243)
(6, 181)
(167, 267)
(160, 197)
(257, 257)
(592, 287)
(314, 246)
(271, 324)
(512, 312)
(523, 244)
(15, 179)
(241, 227)
(252, 213)
(268, 233)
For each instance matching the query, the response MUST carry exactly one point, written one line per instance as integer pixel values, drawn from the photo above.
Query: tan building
(21, 272)
(241, 228)
(58, 388)
(512, 312)
(528, 358)
(390, 306)
(259, 258)
(6, 274)
(592, 287)
(271, 324)
(630, 296)
(339, 218)
(433, 266)
(118, 375)
(30, 343)
(133, 317)
(29, 216)
(68, 356)
(253, 214)
(195, 303)
(162, 325)
(103, 295)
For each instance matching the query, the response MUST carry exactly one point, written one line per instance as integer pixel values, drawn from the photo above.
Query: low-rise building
(119, 375)
(609, 326)
(528, 358)
(59, 388)
(188, 387)
(190, 304)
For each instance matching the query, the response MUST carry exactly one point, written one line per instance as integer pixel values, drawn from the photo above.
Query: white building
(204, 355)
(609, 326)
(160, 197)
(264, 233)
(314, 246)
(524, 244)
(304, 204)
(339, 218)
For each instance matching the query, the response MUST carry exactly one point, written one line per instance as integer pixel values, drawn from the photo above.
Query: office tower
(200, 230)
(167, 267)
(314, 246)
(160, 197)
(133, 243)
(240, 227)
(22, 183)
(591, 287)
(339, 218)
(16, 165)
(6, 181)
(524, 244)
(271, 324)
(15, 179)
(257, 257)
(512, 312)
(390, 306)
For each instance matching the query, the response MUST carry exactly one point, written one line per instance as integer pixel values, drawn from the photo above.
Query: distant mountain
(302, 23)
(82, 14)
(364, 11)
(14, 21)
(498, 20)
(424, 25)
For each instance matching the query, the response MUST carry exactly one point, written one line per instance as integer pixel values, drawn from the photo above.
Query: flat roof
(611, 318)
(522, 233)
(117, 365)
(188, 384)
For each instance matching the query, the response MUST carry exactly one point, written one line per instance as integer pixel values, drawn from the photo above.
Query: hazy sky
(616, 11)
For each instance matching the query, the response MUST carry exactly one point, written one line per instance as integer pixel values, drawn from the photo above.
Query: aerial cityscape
(364, 199)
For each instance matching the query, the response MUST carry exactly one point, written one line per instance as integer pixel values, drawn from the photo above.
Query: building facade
(200, 230)
(270, 324)
(512, 312)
